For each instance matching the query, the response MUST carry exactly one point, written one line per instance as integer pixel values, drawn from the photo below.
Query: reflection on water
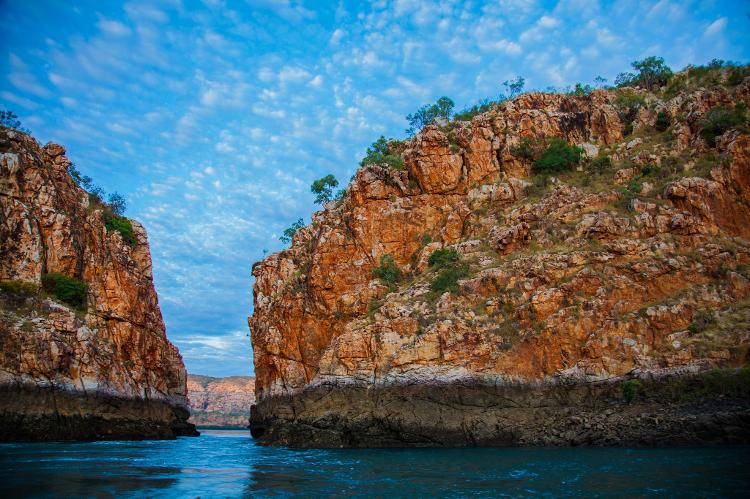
(226, 463)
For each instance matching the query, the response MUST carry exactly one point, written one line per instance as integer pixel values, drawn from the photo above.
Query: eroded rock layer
(220, 401)
(104, 369)
(635, 262)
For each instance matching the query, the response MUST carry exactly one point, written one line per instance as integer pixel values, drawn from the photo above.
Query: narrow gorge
(470, 299)
(83, 349)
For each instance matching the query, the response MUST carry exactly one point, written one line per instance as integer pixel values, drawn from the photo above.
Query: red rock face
(116, 345)
(574, 281)
(220, 401)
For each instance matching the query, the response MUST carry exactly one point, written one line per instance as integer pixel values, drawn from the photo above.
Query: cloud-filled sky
(213, 117)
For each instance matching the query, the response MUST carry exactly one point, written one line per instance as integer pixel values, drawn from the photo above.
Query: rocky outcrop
(104, 369)
(223, 402)
(565, 280)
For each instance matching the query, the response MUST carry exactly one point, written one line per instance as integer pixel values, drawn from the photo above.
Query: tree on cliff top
(652, 72)
(323, 189)
(9, 119)
(429, 113)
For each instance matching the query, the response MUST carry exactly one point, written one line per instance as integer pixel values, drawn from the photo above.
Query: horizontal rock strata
(220, 401)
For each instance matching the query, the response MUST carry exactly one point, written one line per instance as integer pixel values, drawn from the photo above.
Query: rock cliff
(582, 307)
(100, 368)
(220, 401)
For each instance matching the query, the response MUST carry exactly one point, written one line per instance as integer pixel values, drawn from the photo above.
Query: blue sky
(213, 117)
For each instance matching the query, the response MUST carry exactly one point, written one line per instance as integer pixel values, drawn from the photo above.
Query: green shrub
(289, 232)
(559, 156)
(382, 152)
(70, 290)
(442, 258)
(631, 389)
(737, 74)
(388, 271)
(702, 319)
(601, 164)
(663, 121)
(581, 90)
(18, 288)
(121, 225)
(525, 149)
(629, 99)
(635, 185)
(720, 119)
(480, 107)
(447, 279)
(323, 189)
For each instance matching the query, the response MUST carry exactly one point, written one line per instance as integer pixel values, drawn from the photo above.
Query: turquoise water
(229, 464)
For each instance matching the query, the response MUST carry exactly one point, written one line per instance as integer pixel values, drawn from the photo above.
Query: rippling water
(229, 464)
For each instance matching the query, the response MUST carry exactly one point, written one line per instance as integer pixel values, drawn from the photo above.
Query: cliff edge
(83, 349)
(479, 296)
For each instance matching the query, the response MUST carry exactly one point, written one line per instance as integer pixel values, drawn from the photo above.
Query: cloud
(336, 36)
(113, 28)
(716, 27)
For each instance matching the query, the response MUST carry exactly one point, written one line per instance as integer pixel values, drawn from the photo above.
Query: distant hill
(220, 401)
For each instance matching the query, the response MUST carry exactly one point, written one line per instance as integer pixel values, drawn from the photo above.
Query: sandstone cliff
(104, 369)
(634, 265)
(220, 401)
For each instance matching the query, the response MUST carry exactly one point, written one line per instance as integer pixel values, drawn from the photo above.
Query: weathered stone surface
(115, 348)
(486, 413)
(579, 283)
(220, 401)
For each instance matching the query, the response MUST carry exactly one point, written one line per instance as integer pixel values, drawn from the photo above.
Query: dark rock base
(46, 415)
(711, 408)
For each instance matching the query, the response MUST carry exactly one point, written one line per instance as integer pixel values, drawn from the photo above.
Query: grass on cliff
(65, 288)
(112, 216)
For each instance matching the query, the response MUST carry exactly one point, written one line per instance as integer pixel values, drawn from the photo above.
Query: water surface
(228, 464)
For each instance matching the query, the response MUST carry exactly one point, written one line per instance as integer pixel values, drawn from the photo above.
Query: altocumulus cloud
(213, 117)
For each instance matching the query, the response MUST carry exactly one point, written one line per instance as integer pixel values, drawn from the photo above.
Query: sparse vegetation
(447, 279)
(631, 389)
(582, 90)
(121, 225)
(514, 87)
(601, 164)
(381, 152)
(480, 107)
(663, 121)
(9, 119)
(18, 288)
(721, 119)
(702, 319)
(67, 289)
(525, 149)
(289, 232)
(388, 272)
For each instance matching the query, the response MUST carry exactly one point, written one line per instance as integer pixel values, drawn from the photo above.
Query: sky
(213, 117)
